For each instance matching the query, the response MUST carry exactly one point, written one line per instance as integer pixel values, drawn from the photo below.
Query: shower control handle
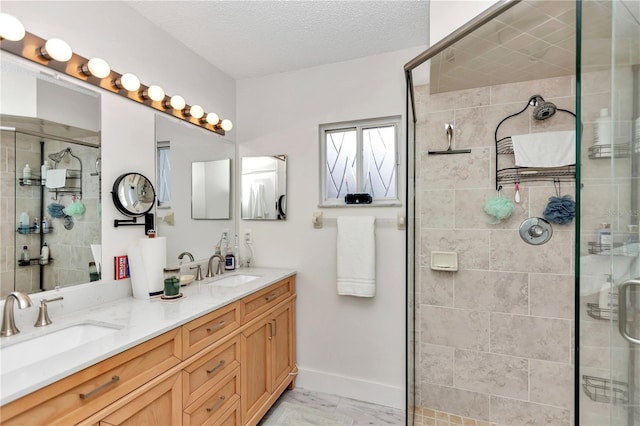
(623, 289)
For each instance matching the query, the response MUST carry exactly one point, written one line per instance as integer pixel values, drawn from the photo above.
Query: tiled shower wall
(495, 337)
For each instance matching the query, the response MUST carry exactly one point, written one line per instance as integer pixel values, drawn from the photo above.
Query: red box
(121, 267)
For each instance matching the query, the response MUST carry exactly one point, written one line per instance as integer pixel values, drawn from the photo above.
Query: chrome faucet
(8, 321)
(219, 270)
(186, 253)
(43, 312)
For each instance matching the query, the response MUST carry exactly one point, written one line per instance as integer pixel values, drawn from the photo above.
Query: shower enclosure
(526, 333)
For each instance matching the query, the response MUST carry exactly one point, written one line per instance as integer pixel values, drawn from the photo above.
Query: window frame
(359, 126)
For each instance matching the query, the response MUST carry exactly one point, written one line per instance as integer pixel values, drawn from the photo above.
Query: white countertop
(140, 320)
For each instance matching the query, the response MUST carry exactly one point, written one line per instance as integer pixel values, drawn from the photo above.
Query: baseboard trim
(351, 387)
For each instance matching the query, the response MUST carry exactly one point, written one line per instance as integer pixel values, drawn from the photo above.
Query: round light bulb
(128, 82)
(155, 93)
(99, 67)
(56, 49)
(11, 28)
(212, 118)
(196, 111)
(177, 102)
(226, 125)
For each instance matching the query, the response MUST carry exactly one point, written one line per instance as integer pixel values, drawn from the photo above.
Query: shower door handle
(623, 289)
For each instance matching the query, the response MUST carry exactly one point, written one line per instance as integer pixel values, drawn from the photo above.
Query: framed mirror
(133, 194)
(211, 189)
(264, 187)
(53, 126)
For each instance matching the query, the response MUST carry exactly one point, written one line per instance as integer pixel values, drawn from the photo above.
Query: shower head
(56, 157)
(542, 109)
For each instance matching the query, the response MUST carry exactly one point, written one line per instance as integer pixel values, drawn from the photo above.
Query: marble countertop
(138, 321)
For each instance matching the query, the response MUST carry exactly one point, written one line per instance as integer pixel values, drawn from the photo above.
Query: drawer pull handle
(216, 327)
(220, 364)
(99, 389)
(217, 404)
(270, 297)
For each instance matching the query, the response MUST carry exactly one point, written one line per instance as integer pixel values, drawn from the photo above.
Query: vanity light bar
(30, 47)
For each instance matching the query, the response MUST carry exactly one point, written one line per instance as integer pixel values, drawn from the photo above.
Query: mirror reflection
(133, 194)
(179, 145)
(211, 189)
(264, 187)
(50, 183)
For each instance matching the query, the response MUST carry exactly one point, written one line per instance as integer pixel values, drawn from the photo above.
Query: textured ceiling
(255, 38)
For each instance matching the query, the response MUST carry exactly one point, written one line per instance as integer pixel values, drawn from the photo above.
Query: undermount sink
(42, 344)
(234, 280)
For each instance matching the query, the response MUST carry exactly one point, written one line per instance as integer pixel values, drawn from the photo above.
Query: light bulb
(226, 125)
(177, 102)
(155, 93)
(128, 82)
(11, 28)
(212, 118)
(96, 67)
(56, 49)
(196, 111)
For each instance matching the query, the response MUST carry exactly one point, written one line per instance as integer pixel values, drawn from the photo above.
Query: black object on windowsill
(358, 199)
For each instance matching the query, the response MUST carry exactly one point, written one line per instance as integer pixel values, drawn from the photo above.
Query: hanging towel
(549, 149)
(56, 178)
(356, 274)
(257, 206)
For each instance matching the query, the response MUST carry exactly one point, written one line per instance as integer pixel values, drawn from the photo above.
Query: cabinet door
(158, 405)
(255, 367)
(282, 344)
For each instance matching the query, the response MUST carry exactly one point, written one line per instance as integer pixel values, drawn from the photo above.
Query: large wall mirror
(181, 148)
(264, 187)
(53, 126)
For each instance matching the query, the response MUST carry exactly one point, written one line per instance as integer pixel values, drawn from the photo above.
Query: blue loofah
(499, 208)
(55, 210)
(560, 210)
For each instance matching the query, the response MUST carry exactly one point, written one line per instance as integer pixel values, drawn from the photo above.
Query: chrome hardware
(198, 272)
(270, 297)
(186, 253)
(99, 389)
(219, 270)
(622, 310)
(220, 364)
(8, 321)
(270, 330)
(217, 404)
(43, 312)
(536, 231)
(215, 327)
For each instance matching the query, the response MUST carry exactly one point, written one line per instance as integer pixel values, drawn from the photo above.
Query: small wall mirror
(133, 194)
(264, 187)
(210, 189)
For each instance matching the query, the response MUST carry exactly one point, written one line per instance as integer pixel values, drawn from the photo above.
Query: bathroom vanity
(221, 355)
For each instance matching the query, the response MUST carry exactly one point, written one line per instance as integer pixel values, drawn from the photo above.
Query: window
(164, 174)
(359, 157)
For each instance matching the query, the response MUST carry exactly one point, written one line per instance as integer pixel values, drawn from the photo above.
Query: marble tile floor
(362, 413)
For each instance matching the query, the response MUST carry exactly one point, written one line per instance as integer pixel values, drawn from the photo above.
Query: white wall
(349, 346)
(130, 43)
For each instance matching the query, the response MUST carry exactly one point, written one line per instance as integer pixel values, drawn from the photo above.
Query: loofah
(55, 210)
(76, 208)
(499, 208)
(560, 210)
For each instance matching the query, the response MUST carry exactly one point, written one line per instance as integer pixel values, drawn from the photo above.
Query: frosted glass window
(164, 175)
(360, 157)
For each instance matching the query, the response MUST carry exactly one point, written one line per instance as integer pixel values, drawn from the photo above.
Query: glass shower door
(609, 268)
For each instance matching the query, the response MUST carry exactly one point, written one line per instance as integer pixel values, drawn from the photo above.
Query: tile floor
(362, 413)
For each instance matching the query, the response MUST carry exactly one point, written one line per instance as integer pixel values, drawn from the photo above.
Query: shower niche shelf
(619, 150)
(605, 390)
(603, 314)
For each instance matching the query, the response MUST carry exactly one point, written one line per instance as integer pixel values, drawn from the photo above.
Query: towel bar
(318, 220)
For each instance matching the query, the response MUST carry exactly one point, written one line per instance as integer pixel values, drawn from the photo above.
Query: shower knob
(535, 231)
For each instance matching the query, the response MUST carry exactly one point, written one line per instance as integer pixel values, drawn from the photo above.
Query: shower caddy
(505, 175)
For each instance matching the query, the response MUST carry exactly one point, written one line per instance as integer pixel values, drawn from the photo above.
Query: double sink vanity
(220, 355)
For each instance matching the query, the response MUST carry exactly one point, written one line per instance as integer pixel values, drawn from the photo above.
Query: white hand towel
(356, 274)
(549, 149)
(56, 178)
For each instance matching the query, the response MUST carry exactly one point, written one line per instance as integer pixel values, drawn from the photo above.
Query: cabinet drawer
(76, 397)
(209, 369)
(231, 417)
(202, 332)
(256, 304)
(208, 409)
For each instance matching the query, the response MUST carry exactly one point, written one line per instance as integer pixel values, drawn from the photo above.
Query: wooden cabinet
(268, 361)
(227, 367)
